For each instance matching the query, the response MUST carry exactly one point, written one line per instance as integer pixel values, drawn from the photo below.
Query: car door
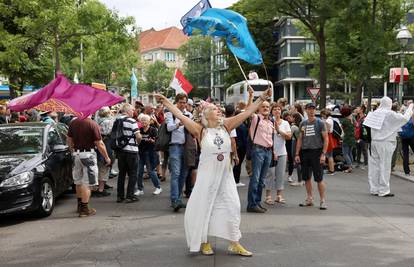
(62, 130)
(58, 162)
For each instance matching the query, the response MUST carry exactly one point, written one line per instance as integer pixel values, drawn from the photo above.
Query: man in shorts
(83, 137)
(311, 148)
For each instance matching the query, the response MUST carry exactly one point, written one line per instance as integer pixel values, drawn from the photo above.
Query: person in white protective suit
(384, 124)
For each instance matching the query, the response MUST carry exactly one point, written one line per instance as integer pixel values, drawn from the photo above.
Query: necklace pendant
(220, 157)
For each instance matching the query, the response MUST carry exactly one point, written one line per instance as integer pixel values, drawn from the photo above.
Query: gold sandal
(206, 249)
(239, 250)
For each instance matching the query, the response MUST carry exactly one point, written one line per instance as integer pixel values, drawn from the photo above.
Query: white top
(386, 123)
(329, 124)
(279, 144)
(233, 133)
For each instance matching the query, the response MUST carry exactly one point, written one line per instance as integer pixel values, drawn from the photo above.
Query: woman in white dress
(214, 206)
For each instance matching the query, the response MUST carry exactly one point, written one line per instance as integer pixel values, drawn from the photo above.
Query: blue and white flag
(134, 85)
(195, 12)
(233, 27)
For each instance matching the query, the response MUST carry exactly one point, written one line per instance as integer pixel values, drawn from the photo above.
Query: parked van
(239, 91)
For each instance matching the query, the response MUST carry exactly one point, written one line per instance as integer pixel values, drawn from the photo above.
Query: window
(169, 56)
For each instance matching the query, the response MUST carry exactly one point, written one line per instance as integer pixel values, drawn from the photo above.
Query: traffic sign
(313, 92)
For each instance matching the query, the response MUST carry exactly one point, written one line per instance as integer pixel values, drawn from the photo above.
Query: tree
(197, 69)
(260, 18)
(22, 60)
(35, 31)
(157, 77)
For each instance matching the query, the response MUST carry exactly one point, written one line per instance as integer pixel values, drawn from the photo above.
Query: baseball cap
(310, 105)
(190, 102)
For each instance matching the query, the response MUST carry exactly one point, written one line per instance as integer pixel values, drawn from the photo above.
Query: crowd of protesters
(272, 143)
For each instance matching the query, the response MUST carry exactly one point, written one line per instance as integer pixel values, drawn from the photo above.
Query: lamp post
(403, 37)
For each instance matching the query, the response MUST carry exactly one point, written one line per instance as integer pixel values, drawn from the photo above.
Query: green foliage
(41, 35)
(197, 69)
(157, 77)
(260, 18)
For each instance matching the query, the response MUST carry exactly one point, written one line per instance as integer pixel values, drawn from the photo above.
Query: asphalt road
(357, 230)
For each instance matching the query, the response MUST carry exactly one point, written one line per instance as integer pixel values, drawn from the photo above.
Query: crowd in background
(348, 146)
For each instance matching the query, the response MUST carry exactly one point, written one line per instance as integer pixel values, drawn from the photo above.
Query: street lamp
(403, 37)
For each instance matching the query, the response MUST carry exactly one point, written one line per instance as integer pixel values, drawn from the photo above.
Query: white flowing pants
(379, 167)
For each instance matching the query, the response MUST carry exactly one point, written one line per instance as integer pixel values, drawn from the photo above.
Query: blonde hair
(126, 107)
(204, 114)
(144, 117)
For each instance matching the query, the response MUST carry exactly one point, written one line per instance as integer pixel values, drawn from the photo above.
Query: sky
(158, 14)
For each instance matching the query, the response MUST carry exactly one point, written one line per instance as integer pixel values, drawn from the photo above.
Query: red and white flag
(180, 84)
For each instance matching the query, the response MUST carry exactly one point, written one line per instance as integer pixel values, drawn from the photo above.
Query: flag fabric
(180, 83)
(134, 85)
(233, 27)
(61, 95)
(195, 12)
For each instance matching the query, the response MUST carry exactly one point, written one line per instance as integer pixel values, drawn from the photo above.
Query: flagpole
(238, 62)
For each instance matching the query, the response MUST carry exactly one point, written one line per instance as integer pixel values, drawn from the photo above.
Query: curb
(402, 176)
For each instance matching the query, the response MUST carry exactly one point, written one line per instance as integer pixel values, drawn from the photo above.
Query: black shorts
(310, 161)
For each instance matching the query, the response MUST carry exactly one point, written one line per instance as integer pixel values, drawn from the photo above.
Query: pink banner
(61, 95)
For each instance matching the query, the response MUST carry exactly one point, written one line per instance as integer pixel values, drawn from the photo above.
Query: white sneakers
(290, 179)
(240, 184)
(157, 191)
(138, 193)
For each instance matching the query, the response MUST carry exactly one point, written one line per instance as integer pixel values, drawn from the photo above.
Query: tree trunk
(57, 58)
(322, 66)
(358, 98)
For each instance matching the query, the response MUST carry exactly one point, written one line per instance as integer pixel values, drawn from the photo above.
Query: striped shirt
(130, 128)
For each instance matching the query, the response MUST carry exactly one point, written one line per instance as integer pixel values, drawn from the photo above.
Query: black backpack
(164, 137)
(117, 139)
(337, 130)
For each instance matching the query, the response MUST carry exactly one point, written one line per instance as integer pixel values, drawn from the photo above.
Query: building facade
(292, 75)
(219, 67)
(162, 45)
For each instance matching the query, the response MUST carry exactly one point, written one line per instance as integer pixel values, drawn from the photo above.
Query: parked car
(35, 167)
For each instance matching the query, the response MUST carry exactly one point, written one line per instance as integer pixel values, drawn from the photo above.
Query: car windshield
(20, 140)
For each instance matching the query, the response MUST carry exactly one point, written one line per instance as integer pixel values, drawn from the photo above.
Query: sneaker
(256, 210)
(85, 212)
(108, 187)
(296, 184)
(176, 206)
(206, 249)
(131, 199)
(363, 167)
(290, 179)
(306, 203)
(104, 193)
(139, 193)
(323, 205)
(263, 208)
(240, 184)
(157, 191)
(240, 250)
(120, 199)
(183, 205)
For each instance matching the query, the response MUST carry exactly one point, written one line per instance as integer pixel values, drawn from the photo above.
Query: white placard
(375, 120)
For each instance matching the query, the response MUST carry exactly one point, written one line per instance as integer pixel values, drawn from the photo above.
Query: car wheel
(46, 198)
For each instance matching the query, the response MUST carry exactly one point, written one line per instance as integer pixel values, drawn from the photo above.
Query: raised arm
(193, 127)
(235, 121)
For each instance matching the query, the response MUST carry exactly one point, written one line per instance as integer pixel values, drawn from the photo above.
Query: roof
(169, 38)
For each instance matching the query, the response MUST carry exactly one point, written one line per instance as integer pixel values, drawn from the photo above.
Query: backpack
(407, 131)
(164, 137)
(117, 139)
(337, 130)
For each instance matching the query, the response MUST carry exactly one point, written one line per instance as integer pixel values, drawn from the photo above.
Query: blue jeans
(347, 152)
(261, 159)
(178, 172)
(149, 159)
